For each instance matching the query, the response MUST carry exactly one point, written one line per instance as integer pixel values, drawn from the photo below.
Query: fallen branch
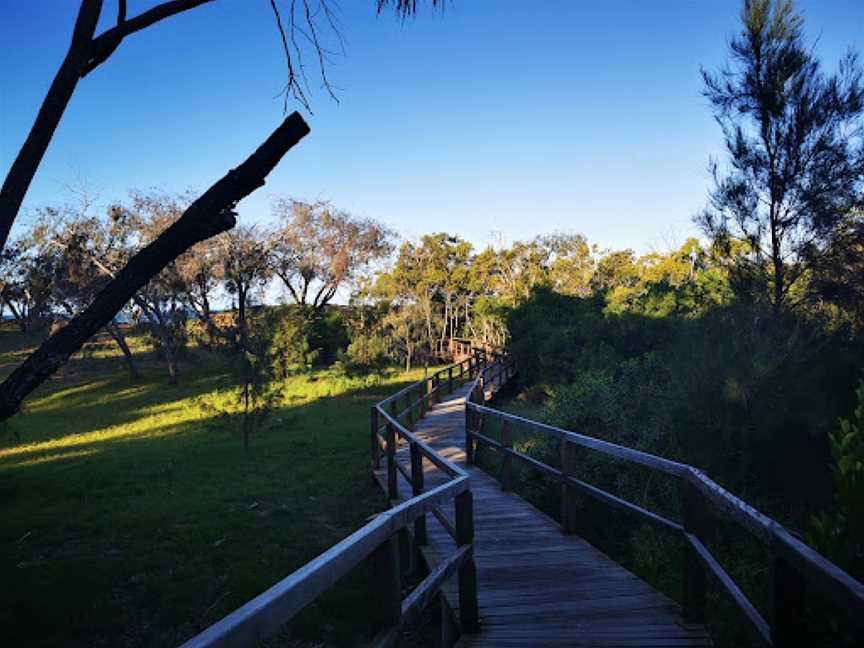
(211, 214)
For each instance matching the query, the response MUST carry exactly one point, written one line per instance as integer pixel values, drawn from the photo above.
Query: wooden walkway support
(512, 574)
(536, 585)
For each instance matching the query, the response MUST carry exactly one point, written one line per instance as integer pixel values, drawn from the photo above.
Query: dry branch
(210, 214)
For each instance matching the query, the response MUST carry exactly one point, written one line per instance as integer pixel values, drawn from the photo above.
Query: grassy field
(133, 516)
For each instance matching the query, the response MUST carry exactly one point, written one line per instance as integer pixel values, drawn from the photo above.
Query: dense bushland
(751, 396)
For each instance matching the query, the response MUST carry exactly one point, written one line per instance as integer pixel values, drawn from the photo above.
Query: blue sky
(494, 119)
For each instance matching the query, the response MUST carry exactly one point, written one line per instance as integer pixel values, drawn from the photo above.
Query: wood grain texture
(536, 586)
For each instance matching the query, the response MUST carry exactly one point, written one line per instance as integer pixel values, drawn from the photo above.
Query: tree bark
(241, 316)
(85, 53)
(117, 334)
(18, 318)
(24, 167)
(159, 326)
(207, 318)
(170, 356)
(211, 214)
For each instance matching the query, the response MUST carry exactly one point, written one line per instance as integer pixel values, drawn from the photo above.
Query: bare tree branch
(27, 161)
(86, 52)
(104, 45)
(209, 215)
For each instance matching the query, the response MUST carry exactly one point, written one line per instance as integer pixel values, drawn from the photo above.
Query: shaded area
(747, 395)
(134, 517)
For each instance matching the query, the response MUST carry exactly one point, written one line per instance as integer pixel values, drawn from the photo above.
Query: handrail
(795, 563)
(423, 394)
(377, 542)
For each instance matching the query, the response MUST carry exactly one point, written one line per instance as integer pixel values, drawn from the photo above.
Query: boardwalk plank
(536, 585)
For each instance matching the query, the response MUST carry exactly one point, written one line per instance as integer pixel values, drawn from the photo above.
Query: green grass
(132, 516)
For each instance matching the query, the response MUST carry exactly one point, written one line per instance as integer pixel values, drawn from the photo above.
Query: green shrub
(367, 352)
(839, 534)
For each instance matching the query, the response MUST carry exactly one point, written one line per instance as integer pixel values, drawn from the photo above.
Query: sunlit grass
(75, 454)
(133, 515)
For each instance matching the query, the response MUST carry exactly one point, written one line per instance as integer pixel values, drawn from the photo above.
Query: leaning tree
(214, 210)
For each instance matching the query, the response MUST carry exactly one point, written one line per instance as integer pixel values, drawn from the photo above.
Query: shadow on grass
(147, 539)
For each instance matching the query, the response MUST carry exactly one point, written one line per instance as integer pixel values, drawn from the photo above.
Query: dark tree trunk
(209, 215)
(117, 334)
(170, 355)
(24, 167)
(241, 316)
(17, 315)
(161, 328)
(207, 319)
(85, 54)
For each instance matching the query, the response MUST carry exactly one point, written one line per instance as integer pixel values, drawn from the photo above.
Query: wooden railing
(796, 565)
(391, 423)
(377, 543)
(460, 348)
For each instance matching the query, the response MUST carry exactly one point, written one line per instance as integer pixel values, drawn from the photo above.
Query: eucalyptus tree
(200, 273)
(794, 140)
(570, 264)
(11, 282)
(245, 270)
(86, 248)
(213, 211)
(319, 249)
(309, 22)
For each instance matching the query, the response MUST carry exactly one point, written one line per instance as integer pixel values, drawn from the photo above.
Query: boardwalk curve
(537, 586)
(513, 575)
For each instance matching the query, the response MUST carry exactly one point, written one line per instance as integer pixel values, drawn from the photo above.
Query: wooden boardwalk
(537, 586)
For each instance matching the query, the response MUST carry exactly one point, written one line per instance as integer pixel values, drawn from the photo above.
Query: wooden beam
(417, 489)
(385, 586)
(469, 616)
(506, 459)
(693, 571)
(569, 452)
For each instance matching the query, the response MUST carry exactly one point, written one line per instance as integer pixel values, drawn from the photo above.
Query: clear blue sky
(512, 116)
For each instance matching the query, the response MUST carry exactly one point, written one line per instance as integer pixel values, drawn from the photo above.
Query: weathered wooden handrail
(267, 612)
(376, 542)
(796, 564)
(422, 394)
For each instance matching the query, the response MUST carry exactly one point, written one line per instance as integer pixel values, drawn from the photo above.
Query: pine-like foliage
(796, 160)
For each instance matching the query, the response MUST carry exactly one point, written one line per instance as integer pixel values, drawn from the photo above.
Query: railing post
(569, 451)
(788, 629)
(693, 571)
(385, 587)
(422, 398)
(417, 489)
(392, 484)
(430, 396)
(450, 379)
(376, 446)
(408, 404)
(461, 373)
(506, 459)
(468, 614)
(470, 417)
